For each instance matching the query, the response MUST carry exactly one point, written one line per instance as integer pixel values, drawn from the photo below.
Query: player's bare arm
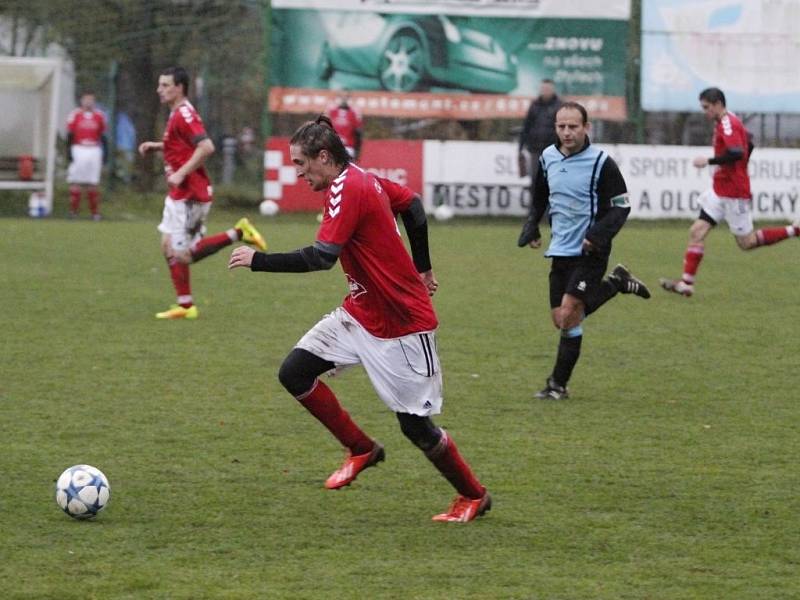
(146, 147)
(202, 151)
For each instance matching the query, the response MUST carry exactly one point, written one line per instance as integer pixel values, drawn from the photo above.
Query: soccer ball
(443, 212)
(269, 208)
(82, 491)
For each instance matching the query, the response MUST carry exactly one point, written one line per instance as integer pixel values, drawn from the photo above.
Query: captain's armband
(621, 201)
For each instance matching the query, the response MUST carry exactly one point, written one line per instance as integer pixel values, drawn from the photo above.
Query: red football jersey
(386, 295)
(86, 126)
(731, 180)
(400, 196)
(183, 132)
(346, 121)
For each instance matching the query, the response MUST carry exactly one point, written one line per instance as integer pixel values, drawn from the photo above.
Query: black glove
(530, 232)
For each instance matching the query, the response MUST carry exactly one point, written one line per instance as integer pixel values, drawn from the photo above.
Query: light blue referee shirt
(573, 181)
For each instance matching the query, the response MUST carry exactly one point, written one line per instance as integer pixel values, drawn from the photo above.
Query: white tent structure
(29, 104)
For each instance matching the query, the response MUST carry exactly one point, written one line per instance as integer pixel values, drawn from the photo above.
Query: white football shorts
(404, 371)
(738, 212)
(87, 162)
(184, 221)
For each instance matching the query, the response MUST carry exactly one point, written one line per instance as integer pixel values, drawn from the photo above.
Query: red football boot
(465, 509)
(353, 465)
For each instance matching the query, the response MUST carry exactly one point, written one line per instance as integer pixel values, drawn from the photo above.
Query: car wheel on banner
(402, 65)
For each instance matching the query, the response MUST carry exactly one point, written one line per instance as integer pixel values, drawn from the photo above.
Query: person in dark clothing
(538, 129)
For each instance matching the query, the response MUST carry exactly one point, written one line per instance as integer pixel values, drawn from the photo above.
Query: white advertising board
(481, 178)
(748, 48)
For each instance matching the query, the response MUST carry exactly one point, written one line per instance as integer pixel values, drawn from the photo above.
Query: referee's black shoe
(552, 391)
(627, 283)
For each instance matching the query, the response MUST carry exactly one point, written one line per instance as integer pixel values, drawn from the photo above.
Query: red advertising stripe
(440, 106)
(398, 160)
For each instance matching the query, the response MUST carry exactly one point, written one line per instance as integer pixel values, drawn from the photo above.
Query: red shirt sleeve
(191, 125)
(400, 196)
(732, 134)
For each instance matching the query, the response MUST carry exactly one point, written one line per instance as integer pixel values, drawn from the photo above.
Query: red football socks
(74, 198)
(180, 279)
(691, 262)
(321, 402)
(214, 243)
(773, 235)
(94, 200)
(448, 460)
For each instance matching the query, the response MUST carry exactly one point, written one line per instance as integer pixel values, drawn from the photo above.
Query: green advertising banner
(466, 66)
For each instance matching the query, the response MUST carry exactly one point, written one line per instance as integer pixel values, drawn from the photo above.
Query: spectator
(86, 151)
(348, 125)
(538, 129)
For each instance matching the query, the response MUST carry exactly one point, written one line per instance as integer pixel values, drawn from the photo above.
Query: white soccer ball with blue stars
(82, 491)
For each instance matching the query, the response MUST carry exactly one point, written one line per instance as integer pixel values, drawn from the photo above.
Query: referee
(583, 192)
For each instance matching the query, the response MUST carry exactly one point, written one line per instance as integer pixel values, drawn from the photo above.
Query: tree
(221, 39)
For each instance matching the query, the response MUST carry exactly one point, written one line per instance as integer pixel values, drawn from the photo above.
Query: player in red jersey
(186, 146)
(386, 324)
(86, 148)
(729, 198)
(348, 125)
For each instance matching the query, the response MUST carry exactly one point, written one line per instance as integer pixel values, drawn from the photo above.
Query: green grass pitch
(671, 473)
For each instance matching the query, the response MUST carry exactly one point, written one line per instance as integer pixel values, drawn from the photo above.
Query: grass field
(671, 473)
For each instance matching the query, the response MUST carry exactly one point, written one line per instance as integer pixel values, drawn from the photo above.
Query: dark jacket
(538, 129)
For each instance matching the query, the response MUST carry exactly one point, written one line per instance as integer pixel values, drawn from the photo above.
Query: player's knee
(747, 242)
(293, 376)
(698, 231)
(166, 247)
(568, 319)
(420, 430)
(300, 370)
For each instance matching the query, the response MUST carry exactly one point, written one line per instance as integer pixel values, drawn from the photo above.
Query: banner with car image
(481, 60)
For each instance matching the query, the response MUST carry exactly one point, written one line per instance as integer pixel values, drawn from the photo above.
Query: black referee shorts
(578, 276)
